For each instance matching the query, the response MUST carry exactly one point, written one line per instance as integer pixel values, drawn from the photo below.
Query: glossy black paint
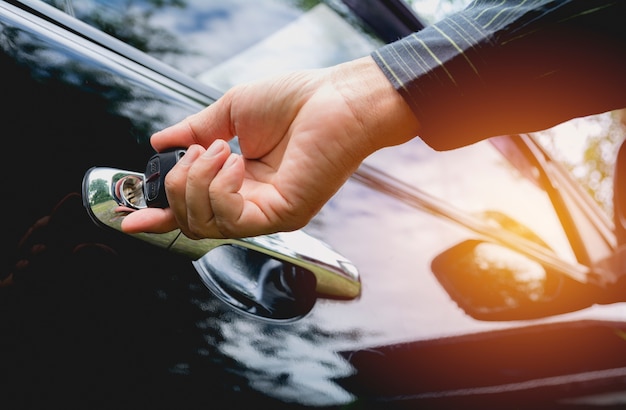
(92, 321)
(99, 320)
(385, 374)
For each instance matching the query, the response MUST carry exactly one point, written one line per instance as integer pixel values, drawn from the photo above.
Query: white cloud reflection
(319, 38)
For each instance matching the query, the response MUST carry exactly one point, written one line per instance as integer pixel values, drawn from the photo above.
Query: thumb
(155, 220)
(177, 135)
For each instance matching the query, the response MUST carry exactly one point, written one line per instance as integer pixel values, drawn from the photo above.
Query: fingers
(199, 181)
(177, 135)
(227, 202)
(215, 204)
(153, 220)
(203, 127)
(158, 220)
(190, 189)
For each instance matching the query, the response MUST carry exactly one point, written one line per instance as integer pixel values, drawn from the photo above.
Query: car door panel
(99, 319)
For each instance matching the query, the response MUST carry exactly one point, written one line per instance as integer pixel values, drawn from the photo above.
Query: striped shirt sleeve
(508, 66)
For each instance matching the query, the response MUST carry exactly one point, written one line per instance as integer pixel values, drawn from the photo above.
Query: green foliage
(594, 164)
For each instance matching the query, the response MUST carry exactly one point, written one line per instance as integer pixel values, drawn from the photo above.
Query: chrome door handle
(109, 194)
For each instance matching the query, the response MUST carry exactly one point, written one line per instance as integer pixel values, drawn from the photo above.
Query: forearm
(497, 69)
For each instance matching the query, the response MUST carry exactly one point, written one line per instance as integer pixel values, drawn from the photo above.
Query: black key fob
(154, 178)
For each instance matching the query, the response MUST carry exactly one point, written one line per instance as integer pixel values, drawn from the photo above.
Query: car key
(154, 177)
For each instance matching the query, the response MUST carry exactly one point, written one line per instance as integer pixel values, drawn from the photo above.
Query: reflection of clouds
(320, 38)
(215, 30)
(434, 10)
(289, 363)
(94, 71)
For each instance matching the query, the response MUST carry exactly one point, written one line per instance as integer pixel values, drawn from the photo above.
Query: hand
(301, 136)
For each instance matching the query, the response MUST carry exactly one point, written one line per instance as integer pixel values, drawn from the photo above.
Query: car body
(486, 275)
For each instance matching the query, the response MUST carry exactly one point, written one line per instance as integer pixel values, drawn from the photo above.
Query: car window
(432, 11)
(224, 43)
(587, 147)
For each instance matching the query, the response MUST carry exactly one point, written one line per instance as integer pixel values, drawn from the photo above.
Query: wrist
(384, 116)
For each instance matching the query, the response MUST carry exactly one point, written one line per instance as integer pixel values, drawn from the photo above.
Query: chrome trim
(336, 276)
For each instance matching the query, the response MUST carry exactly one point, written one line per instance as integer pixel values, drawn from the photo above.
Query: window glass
(227, 42)
(434, 10)
(587, 147)
(479, 181)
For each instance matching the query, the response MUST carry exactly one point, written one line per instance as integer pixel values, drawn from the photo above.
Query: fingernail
(231, 160)
(191, 154)
(215, 148)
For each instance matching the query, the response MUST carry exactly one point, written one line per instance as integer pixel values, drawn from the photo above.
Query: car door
(99, 319)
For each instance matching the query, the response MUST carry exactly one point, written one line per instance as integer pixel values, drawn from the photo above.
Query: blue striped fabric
(496, 57)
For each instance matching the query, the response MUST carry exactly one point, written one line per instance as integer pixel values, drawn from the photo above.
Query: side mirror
(492, 282)
(276, 277)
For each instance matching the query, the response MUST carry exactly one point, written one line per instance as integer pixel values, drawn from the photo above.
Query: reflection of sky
(434, 10)
(299, 367)
(319, 38)
(216, 30)
(210, 31)
(229, 42)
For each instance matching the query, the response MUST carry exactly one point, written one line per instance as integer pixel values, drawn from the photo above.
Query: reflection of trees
(64, 76)
(595, 168)
(98, 191)
(132, 23)
(148, 26)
